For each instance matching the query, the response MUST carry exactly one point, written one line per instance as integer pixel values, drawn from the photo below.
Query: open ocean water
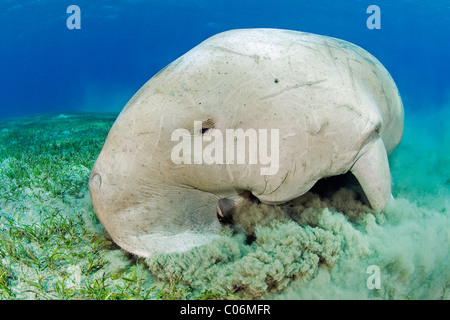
(64, 81)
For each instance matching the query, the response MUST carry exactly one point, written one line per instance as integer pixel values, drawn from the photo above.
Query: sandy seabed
(53, 247)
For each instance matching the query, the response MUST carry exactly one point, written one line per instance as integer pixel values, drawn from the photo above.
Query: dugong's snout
(144, 216)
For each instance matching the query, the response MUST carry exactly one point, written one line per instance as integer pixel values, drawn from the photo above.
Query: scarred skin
(336, 107)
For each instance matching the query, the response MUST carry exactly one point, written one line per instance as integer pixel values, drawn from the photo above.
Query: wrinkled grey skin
(336, 107)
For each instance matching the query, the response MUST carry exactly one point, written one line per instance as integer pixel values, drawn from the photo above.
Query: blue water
(45, 67)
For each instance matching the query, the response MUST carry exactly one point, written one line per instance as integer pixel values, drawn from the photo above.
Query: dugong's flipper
(372, 171)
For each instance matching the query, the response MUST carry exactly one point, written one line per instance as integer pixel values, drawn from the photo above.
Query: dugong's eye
(205, 130)
(207, 124)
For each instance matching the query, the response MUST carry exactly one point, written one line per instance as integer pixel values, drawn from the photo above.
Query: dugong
(261, 111)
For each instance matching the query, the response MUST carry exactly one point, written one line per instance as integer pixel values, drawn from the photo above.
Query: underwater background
(46, 67)
(61, 90)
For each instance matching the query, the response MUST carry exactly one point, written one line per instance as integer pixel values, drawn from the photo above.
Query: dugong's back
(300, 59)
